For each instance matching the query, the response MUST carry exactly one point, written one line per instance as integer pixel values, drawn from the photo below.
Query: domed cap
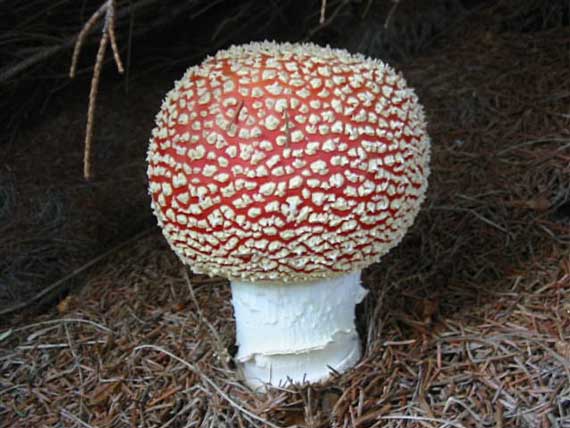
(282, 162)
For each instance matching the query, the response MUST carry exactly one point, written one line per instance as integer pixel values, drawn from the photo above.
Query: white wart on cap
(282, 163)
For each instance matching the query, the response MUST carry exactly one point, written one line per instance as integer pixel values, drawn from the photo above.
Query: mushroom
(288, 168)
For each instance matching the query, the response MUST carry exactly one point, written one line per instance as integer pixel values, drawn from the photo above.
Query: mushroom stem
(296, 332)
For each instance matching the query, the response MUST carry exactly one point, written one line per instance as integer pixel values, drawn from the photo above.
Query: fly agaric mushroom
(287, 168)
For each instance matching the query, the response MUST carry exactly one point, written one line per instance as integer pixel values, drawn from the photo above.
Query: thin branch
(81, 38)
(46, 53)
(323, 10)
(64, 321)
(34, 59)
(108, 8)
(391, 13)
(342, 4)
(91, 109)
(113, 37)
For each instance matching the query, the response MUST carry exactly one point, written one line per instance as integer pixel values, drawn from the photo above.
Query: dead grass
(467, 321)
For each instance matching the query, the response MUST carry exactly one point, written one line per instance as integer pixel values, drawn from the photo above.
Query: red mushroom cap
(283, 162)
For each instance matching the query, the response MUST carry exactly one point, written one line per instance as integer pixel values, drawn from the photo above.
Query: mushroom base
(296, 332)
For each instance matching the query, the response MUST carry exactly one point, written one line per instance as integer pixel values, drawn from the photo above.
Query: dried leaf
(66, 304)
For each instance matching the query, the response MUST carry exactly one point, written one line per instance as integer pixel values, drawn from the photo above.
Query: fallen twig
(107, 10)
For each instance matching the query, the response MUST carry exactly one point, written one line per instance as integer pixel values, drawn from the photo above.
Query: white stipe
(295, 332)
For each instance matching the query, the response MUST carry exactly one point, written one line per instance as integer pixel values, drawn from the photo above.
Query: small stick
(9, 72)
(323, 9)
(108, 8)
(75, 419)
(63, 321)
(81, 37)
(329, 20)
(391, 13)
(91, 109)
(111, 30)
